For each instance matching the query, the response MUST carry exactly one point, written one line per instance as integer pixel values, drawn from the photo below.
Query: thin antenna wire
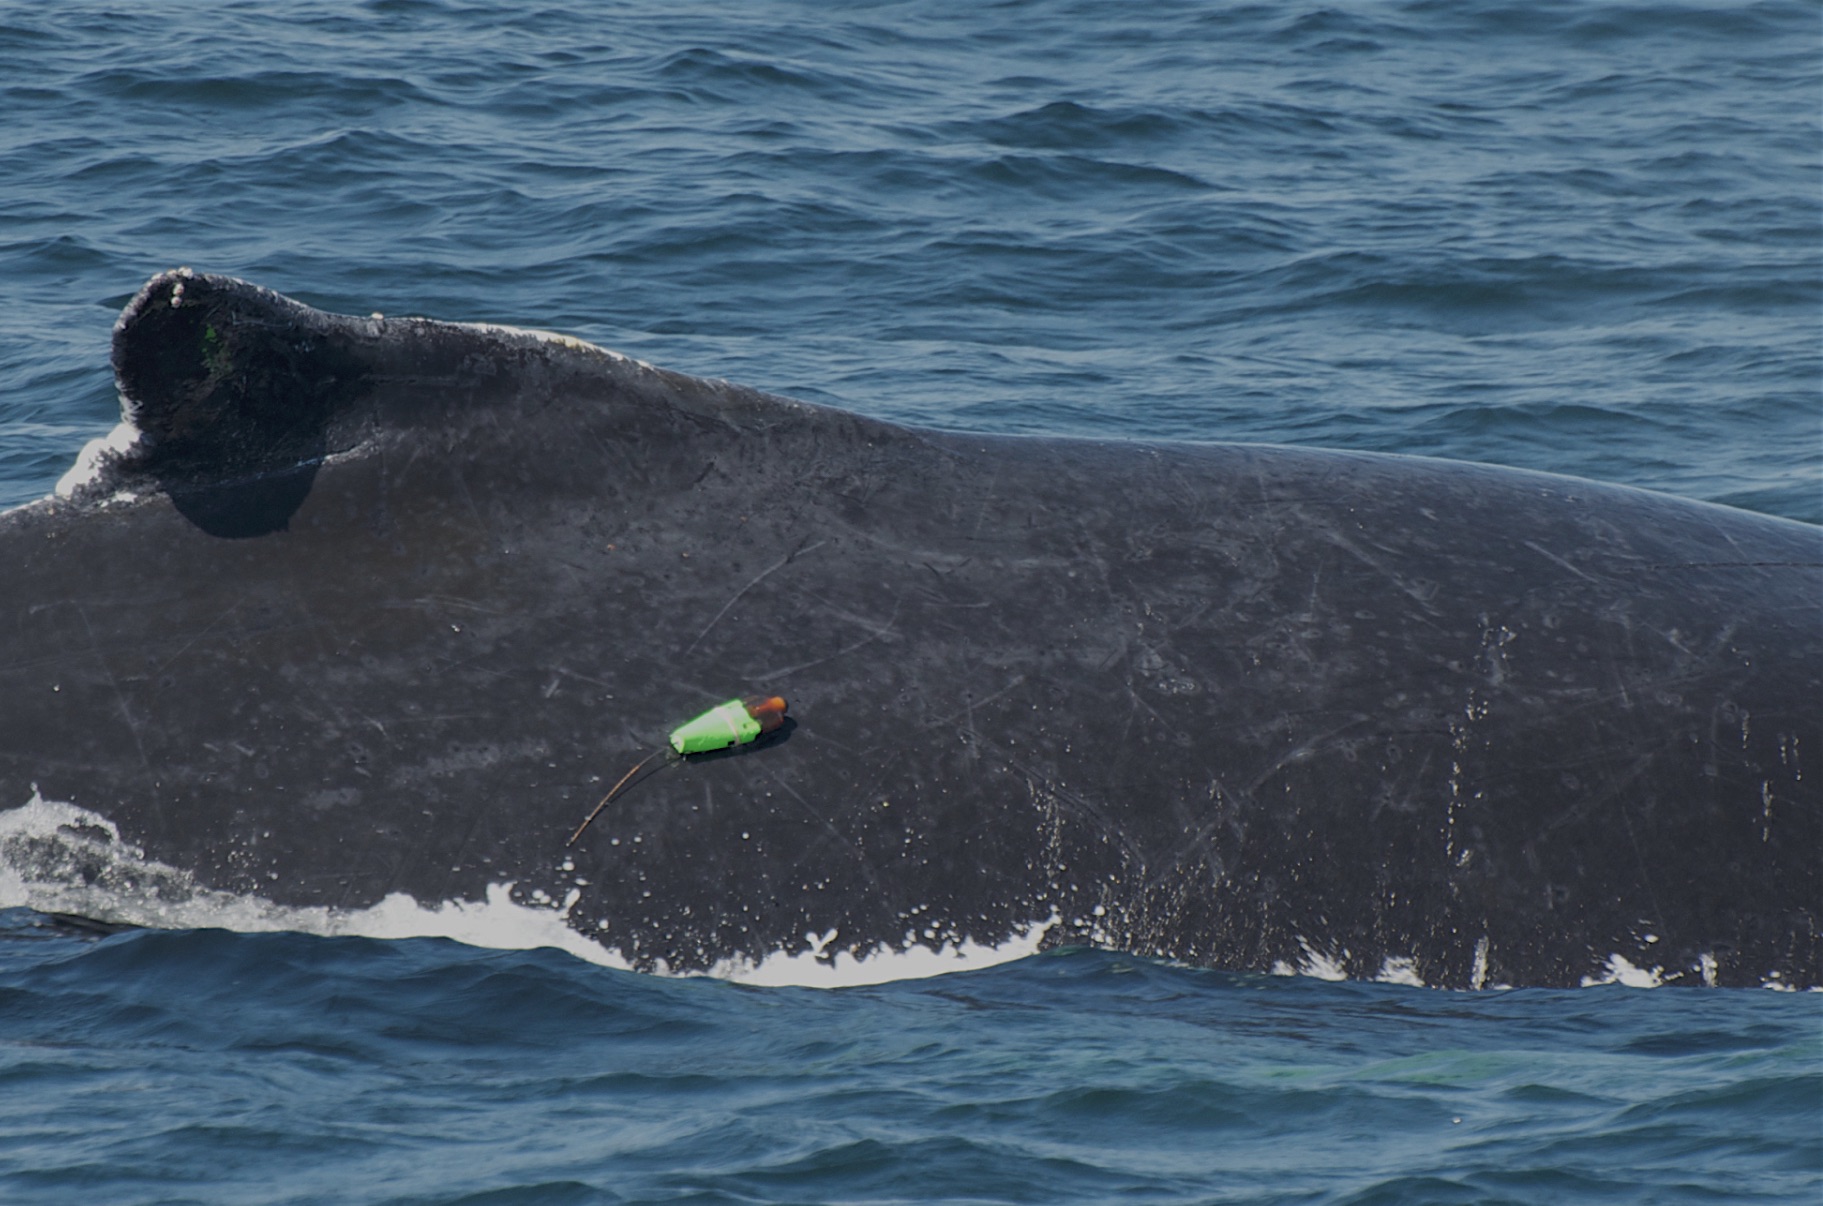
(611, 791)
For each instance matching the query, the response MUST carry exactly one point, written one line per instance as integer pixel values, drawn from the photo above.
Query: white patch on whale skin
(94, 457)
(61, 858)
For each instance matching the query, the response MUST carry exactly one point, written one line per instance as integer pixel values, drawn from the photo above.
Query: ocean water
(1585, 238)
(210, 1066)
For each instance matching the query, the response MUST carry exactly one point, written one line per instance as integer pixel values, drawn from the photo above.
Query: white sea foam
(1315, 964)
(60, 858)
(916, 962)
(1400, 970)
(1621, 970)
(94, 456)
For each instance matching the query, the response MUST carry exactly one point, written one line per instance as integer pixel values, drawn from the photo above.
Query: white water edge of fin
(60, 858)
(94, 455)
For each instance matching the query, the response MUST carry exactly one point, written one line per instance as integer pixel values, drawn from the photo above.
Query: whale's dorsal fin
(224, 379)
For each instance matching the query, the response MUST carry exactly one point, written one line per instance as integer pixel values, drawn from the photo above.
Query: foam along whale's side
(352, 607)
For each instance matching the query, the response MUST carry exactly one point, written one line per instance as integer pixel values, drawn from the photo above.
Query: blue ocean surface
(219, 1067)
(1577, 237)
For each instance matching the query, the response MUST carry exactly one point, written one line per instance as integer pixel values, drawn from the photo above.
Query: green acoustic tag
(734, 723)
(716, 729)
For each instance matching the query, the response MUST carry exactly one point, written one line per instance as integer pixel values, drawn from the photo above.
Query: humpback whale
(350, 607)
